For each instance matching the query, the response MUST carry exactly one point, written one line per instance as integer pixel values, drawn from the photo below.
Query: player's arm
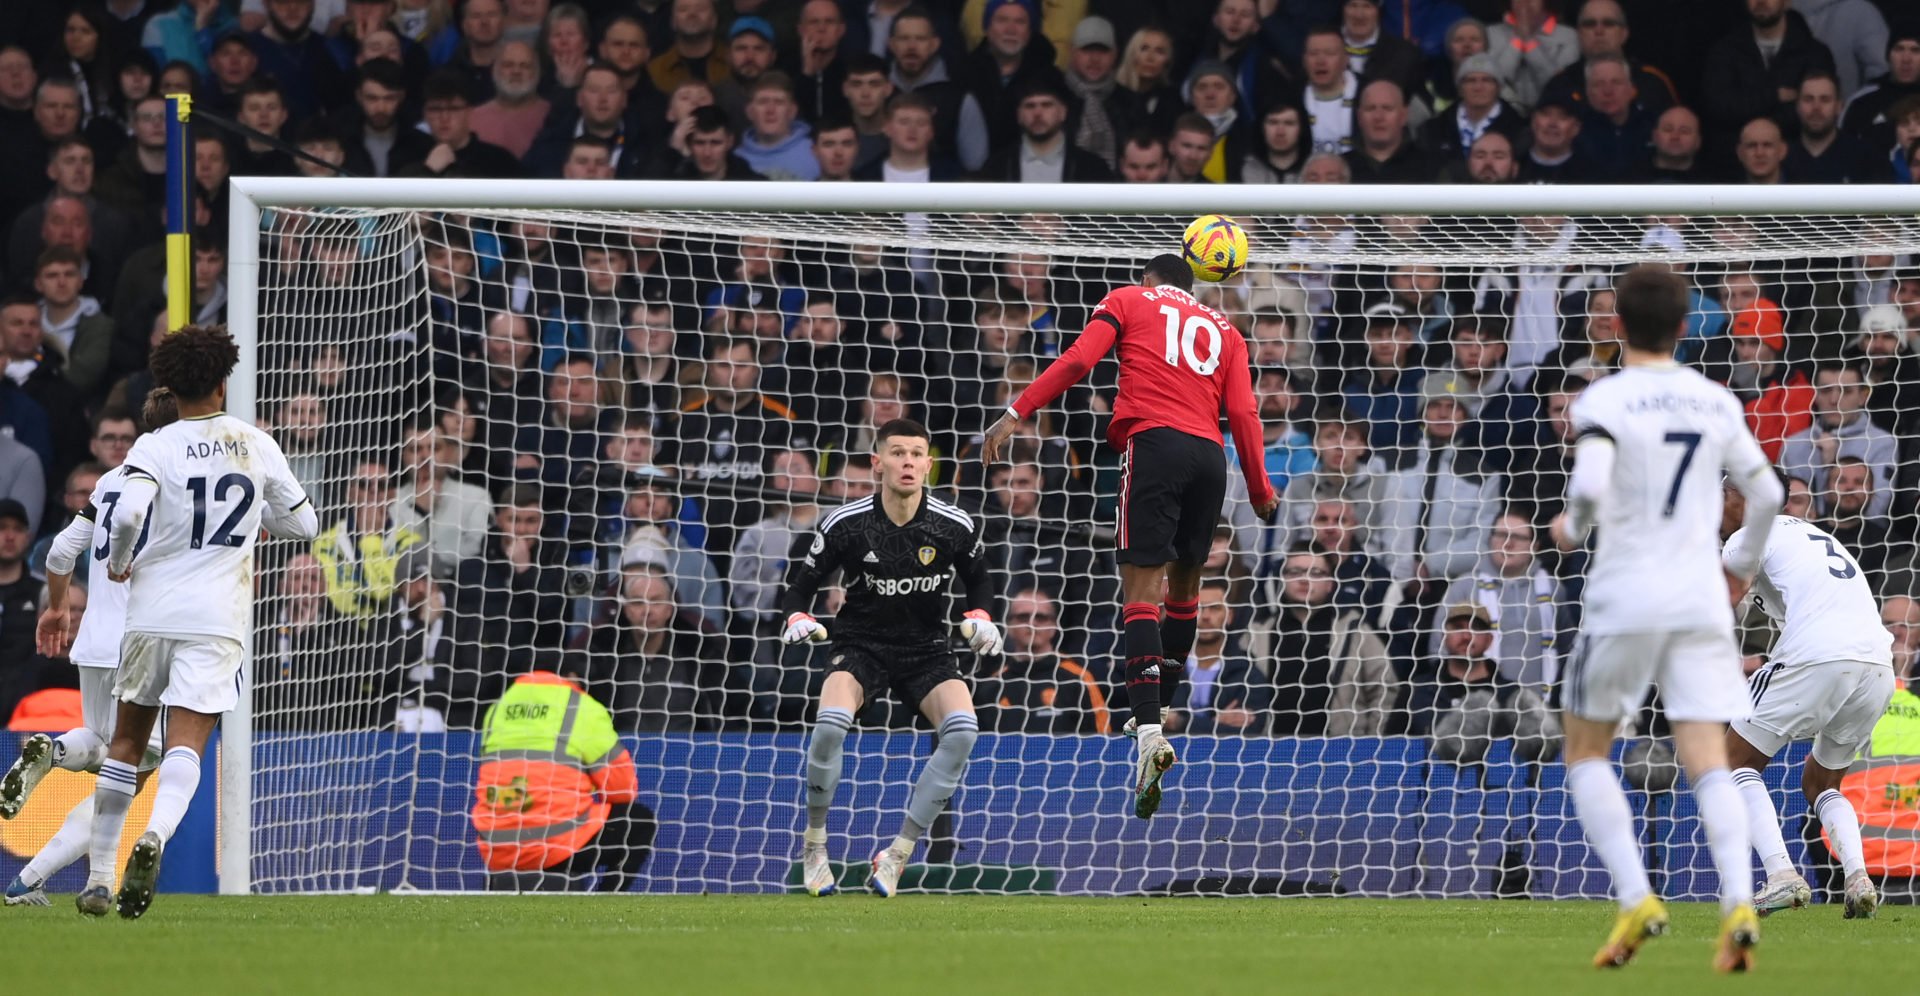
(289, 513)
(130, 517)
(1593, 458)
(1748, 471)
(1249, 439)
(51, 636)
(1088, 348)
(976, 624)
(805, 578)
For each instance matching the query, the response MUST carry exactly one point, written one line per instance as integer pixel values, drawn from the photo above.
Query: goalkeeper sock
(68, 845)
(825, 755)
(939, 779)
(1724, 816)
(1843, 828)
(112, 795)
(179, 779)
(1601, 806)
(1176, 642)
(1763, 822)
(1140, 633)
(78, 750)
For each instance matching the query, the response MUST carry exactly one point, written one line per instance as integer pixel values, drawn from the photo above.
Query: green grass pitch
(856, 944)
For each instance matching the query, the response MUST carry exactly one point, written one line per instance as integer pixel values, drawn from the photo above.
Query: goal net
(588, 441)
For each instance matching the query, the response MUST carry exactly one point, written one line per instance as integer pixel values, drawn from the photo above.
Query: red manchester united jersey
(1181, 364)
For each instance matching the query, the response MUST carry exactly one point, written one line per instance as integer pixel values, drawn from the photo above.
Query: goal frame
(250, 195)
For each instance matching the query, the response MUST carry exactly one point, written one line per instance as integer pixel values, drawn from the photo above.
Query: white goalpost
(579, 425)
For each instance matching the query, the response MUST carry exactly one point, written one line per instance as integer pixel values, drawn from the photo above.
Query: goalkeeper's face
(904, 462)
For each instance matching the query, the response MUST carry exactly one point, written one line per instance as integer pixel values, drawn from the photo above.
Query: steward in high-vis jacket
(557, 796)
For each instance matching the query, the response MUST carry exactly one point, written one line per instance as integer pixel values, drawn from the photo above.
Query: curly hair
(194, 361)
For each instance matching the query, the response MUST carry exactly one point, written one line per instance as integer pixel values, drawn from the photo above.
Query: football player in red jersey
(1181, 363)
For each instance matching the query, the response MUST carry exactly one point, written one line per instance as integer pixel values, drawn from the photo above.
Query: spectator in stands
(727, 435)
(1189, 149)
(511, 598)
(865, 92)
(113, 435)
(1799, 501)
(1491, 160)
(1539, 457)
(1143, 159)
(135, 183)
(515, 115)
(1521, 597)
(910, 135)
(1329, 673)
(1344, 470)
(1386, 153)
(75, 497)
(301, 429)
(836, 149)
(1376, 54)
(1762, 153)
(625, 46)
(1778, 398)
(1090, 78)
(263, 108)
(1853, 509)
(750, 54)
(777, 145)
(1036, 688)
(304, 675)
(1868, 116)
(1616, 129)
(290, 51)
(1535, 297)
(1529, 47)
(1603, 30)
(1464, 702)
(567, 436)
(1043, 153)
(758, 569)
(230, 65)
(600, 110)
(456, 152)
(1008, 59)
(1854, 32)
(821, 72)
(379, 143)
(1289, 452)
(655, 537)
(36, 362)
(360, 549)
(1212, 698)
(1555, 127)
(471, 50)
(452, 514)
(647, 664)
(1821, 153)
(957, 123)
(1841, 428)
(1676, 149)
(1893, 372)
(1278, 149)
(1476, 369)
(1031, 545)
(1755, 70)
(1386, 392)
(1901, 615)
(695, 53)
(74, 323)
(1438, 509)
(1479, 111)
(710, 150)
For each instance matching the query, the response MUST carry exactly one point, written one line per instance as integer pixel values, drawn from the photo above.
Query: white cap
(1883, 318)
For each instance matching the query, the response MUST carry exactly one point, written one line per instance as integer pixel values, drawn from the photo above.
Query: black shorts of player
(912, 676)
(1171, 488)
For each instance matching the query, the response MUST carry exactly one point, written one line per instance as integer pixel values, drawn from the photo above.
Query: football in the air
(1216, 247)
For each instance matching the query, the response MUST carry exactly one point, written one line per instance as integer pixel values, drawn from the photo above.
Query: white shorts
(98, 710)
(1835, 704)
(1698, 671)
(200, 673)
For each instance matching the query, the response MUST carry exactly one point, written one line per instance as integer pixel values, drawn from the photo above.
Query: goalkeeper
(897, 551)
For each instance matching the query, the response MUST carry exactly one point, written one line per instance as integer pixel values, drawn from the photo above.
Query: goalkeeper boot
(36, 759)
(887, 866)
(1862, 899)
(1630, 930)
(1739, 933)
(143, 871)
(1156, 758)
(1782, 892)
(816, 873)
(95, 900)
(21, 894)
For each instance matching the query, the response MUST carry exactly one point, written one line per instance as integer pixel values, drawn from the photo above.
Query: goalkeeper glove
(802, 627)
(977, 628)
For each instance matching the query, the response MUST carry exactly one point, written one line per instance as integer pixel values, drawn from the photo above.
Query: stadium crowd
(607, 441)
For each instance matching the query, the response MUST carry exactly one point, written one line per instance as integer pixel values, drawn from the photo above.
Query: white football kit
(211, 482)
(1829, 676)
(1657, 608)
(96, 646)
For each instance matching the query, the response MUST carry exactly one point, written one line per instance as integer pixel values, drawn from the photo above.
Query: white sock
(79, 750)
(179, 779)
(1724, 815)
(112, 794)
(68, 845)
(1763, 823)
(1601, 806)
(908, 838)
(814, 836)
(1843, 828)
